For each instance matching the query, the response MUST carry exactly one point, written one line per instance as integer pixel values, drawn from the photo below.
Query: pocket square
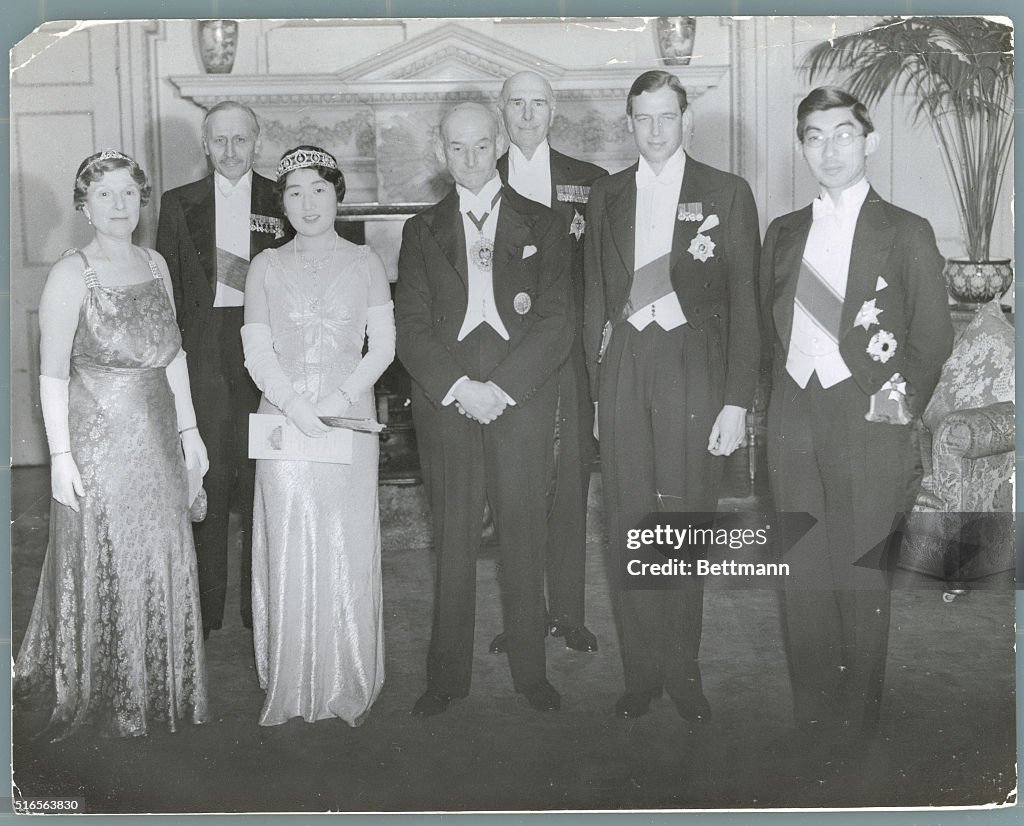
(529, 250)
(881, 284)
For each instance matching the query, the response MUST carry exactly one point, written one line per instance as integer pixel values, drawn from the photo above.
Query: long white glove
(262, 363)
(380, 335)
(65, 480)
(191, 442)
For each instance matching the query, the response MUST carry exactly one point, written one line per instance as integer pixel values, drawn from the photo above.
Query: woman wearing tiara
(309, 306)
(115, 641)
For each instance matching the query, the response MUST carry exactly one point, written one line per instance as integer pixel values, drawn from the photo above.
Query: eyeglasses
(844, 137)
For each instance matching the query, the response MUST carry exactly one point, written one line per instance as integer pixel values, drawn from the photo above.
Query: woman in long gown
(316, 582)
(115, 640)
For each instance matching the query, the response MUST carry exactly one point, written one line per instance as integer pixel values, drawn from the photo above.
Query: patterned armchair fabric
(961, 526)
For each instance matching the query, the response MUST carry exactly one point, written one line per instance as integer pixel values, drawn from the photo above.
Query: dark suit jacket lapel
(694, 189)
(445, 223)
(789, 253)
(620, 208)
(201, 217)
(872, 241)
(510, 237)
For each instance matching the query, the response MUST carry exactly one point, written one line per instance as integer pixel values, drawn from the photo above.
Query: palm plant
(960, 70)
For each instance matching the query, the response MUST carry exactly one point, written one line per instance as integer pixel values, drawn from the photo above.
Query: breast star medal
(578, 225)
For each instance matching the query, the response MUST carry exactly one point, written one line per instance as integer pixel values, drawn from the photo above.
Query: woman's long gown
(317, 612)
(115, 639)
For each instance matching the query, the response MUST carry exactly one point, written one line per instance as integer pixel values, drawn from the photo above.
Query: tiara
(108, 154)
(302, 159)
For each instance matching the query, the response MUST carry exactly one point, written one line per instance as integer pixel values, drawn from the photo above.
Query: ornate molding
(359, 127)
(471, 49)
(328, 90)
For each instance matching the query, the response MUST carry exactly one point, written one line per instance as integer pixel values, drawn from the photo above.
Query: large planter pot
(218, 42)
(674, 36)
(977, 282)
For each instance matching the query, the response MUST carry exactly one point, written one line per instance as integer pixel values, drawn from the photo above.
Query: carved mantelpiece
(379, 116)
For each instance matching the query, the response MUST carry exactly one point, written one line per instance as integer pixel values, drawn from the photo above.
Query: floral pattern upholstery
(962, 522)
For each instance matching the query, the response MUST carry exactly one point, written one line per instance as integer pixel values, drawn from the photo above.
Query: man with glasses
(536, 171)
(855, 313)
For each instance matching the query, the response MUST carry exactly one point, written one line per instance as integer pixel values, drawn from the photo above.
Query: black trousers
(853, 477)
(506, 463)
(660, 393)
(223, 396)
(566, 551)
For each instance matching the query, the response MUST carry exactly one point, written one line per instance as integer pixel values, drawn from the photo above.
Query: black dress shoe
(499, 645)
(577, 637)
(542, 696)
(696, 711)
(431, 702)
(247, 620)
(206, 633)
(634, 704)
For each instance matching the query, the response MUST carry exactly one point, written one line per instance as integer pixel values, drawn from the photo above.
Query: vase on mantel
(674, 37)
(973, 283)
(218, 42)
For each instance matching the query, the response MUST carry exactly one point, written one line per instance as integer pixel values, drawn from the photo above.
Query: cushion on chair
(980, 370)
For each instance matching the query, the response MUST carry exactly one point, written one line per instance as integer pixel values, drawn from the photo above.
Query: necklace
(312, 264)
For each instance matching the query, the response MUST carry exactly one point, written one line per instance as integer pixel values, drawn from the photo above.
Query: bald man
(485, 317)
(535, 170)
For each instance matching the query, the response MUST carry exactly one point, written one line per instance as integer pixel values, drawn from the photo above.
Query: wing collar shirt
(480, 306)
(531, 177)
(829, 244)
(657, 200)
(233, 207)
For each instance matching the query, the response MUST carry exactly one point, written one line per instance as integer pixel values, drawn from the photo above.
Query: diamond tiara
(303, 159)
(108, 154)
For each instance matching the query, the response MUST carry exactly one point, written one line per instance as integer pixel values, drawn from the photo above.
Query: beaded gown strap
(153, 268)
(89, 272)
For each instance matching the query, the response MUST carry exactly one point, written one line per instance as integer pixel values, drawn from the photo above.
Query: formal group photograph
(519, 414)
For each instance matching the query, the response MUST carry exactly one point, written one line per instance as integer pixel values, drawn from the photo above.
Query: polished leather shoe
(634, 704)
(431, 702)
(577, 637)
(542, 696)
(696, 711)
(499, 645)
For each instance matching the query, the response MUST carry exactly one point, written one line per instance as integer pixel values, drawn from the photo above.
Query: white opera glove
(65, 480)
(191, 442)
(380, 337)
(262, 363)
(305, 415)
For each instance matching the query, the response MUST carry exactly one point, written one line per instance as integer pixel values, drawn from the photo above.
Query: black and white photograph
(513, 414)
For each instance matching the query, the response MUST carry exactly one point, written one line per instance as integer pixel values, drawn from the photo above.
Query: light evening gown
(115, 640)
(317, 612)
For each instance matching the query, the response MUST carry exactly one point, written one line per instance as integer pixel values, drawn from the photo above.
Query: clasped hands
(480, 401)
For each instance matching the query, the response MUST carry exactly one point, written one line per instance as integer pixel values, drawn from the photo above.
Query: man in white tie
(485, 317)
(538, 172)
(672, 345)
(208, 231)
(855, 312)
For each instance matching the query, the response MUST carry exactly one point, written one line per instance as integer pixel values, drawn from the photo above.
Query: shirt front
(480, 220)
(827, 252)
(657, 200)
(531, 177)
(233, 208)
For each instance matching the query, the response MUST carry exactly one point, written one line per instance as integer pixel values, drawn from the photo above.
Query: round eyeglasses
(844, 137)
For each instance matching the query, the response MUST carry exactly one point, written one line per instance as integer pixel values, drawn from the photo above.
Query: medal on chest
(482, 253)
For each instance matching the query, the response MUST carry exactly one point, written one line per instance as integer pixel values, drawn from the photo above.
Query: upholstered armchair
(961, 527)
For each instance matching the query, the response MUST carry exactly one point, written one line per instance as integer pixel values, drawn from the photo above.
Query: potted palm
(959, 71)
